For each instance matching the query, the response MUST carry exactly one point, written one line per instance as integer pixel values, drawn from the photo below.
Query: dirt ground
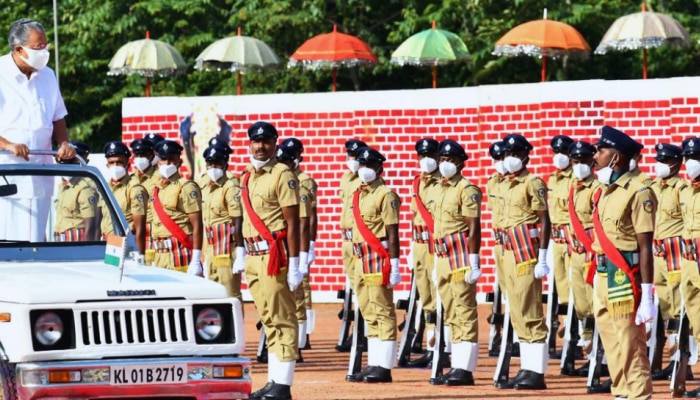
(322, 374)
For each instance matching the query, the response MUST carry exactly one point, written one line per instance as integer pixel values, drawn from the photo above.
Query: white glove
(394, 276)
(475, 272)
(195, 267)
(303, 262)
(541, 268)
(239, 262)
(294, 276)
(646, 311)
(385, 243)
(409, 258)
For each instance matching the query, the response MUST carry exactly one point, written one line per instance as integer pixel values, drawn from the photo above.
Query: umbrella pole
(238, 91)
(334, 79)
(148, 86)
(544, 67)
(434, 76)
(644, 63)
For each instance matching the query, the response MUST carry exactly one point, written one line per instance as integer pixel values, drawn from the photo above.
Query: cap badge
(425, 143)
(365, 154)
(659, 146)
(691, 143)
(261, 130)
(354, 146)
(165, 146)
(212, 152)
(290, 144)
(497, 148)
(112, 146)
(559, 142)
(579, 145)
(511, 141)
(448, 147)
(279, 152)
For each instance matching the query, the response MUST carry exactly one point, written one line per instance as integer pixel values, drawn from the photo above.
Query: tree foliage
(91, 31)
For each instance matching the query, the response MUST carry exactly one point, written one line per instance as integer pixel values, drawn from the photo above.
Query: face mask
(353, 165)
(116, 172)
(296, 163)
(633, 164)
(662, 170)
(258, 164)
(142, 163)
(513, 164)
(605, 174)
(500, 167)
(692, 167)
(367, 175)
(215, 173)
(36, 59)
(561, 161)
(167, 170)
(155, 160)
(428, 165)
(447, 169)
(581, 171)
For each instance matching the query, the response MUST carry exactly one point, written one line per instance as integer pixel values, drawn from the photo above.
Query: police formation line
(607, 241)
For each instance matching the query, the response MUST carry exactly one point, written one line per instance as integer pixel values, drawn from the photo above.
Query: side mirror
(8, 190)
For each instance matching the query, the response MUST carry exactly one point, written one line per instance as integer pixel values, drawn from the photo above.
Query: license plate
(148, 374)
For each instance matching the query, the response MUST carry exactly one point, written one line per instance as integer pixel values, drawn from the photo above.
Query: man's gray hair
(19, 31)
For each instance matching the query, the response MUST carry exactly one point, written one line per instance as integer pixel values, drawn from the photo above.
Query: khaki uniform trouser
(583, 292)
(561, 271)
(300, 302)
(220, 271)
(276, 305)
(423, 272)
(376, 305)
(690, 288)
(668, 292)
(625, 345)
(500, 271)
(459, 302)
(307, 292)
(349, 262)
(525, 301)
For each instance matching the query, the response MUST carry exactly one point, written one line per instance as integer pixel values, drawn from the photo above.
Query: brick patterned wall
(654, 110)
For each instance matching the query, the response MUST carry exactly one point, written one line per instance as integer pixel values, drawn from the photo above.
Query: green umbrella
(431, 47)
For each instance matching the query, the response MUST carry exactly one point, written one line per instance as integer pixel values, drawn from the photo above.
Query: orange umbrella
(543, 38)
(332, 50)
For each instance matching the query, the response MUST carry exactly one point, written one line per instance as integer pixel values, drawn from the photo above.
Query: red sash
(424, 213)
(611, 251)
(371, 240)
(168, 222)
(581, 236)
(277, 257)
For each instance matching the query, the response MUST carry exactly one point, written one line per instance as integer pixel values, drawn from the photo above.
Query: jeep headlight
(48, 328)
(209, 324)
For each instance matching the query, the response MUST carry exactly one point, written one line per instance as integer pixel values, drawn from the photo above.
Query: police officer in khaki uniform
(154, 139)
(176, 205)
(222, 216)
(222, 144)
(525, 260)
(456, 205)
(131, 197)
(146, 174)
(270, 204)
(667, 187)
(375, 236)
(623, 223)
(76, 204)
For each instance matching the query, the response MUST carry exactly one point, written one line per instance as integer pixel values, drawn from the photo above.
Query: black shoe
(585, 368)
(531, 381)
(257, 395)
(440, 380)
(307, 346)
(278, 392)
(300, 358)
(346, 346)
(663, 374)
(605, 387)
(378, 375)
(511, 383)
(692, 394)
(460, 377)
(357, 377)
(422, 362)
(568, 370)
(555, 355)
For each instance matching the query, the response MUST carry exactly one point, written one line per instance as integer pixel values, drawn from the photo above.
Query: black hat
(685, 141)
(352, 145)
(262, 130)
(665, 151)
(691, 146)
(142, 146)
(427, 146)
(285, 153)
(81, 148)
(561, 143)
(168, 148)
(367, 155)
(516, 142)
(618, 140)
(220, 141)
(581, 149)
(293, 143)
(154, 138)
(497, 149)
(215, 153)
(116, 148)
(449, 147)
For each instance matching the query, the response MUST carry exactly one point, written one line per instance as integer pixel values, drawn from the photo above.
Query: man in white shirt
(32, 114)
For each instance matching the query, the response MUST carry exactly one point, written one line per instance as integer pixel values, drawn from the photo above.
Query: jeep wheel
(8, 382)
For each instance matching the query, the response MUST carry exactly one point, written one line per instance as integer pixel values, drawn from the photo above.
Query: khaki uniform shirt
(494, 202)
(583, 199)
(77, 199)
(348, 184)
(427, 181)
(132, 199)
(626, 208)
(270, 188)
(641, 177)
(669, 217)
(221, 200)
(558, 185)
(379, 207)
(690, 206)
(453, 201)
(523, 196)
(179, 197)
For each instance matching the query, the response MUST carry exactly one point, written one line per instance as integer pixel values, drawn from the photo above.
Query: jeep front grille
(134, 326)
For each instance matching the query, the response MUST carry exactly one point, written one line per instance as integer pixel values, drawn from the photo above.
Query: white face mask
(633, 164)
(155, 160)
(500, 167)
(353, 165)
(116, 172)
(513, 164)
(215, 173)
(142, 163)
(662, 170)
(258, 164)
(367, 175)
(167, 170)
(561, 161)
(581, 171)
(36, 59)
(692, 167)
(428, 165)
(605, 174)
(447, 169)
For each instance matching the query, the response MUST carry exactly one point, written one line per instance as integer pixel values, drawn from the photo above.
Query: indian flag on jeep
(114, 253)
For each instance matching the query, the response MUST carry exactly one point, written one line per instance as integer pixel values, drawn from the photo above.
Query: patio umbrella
(239, 54)
(645, 30)
(148, 58)
(332, 50)
(431, 47)
(543, 38)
